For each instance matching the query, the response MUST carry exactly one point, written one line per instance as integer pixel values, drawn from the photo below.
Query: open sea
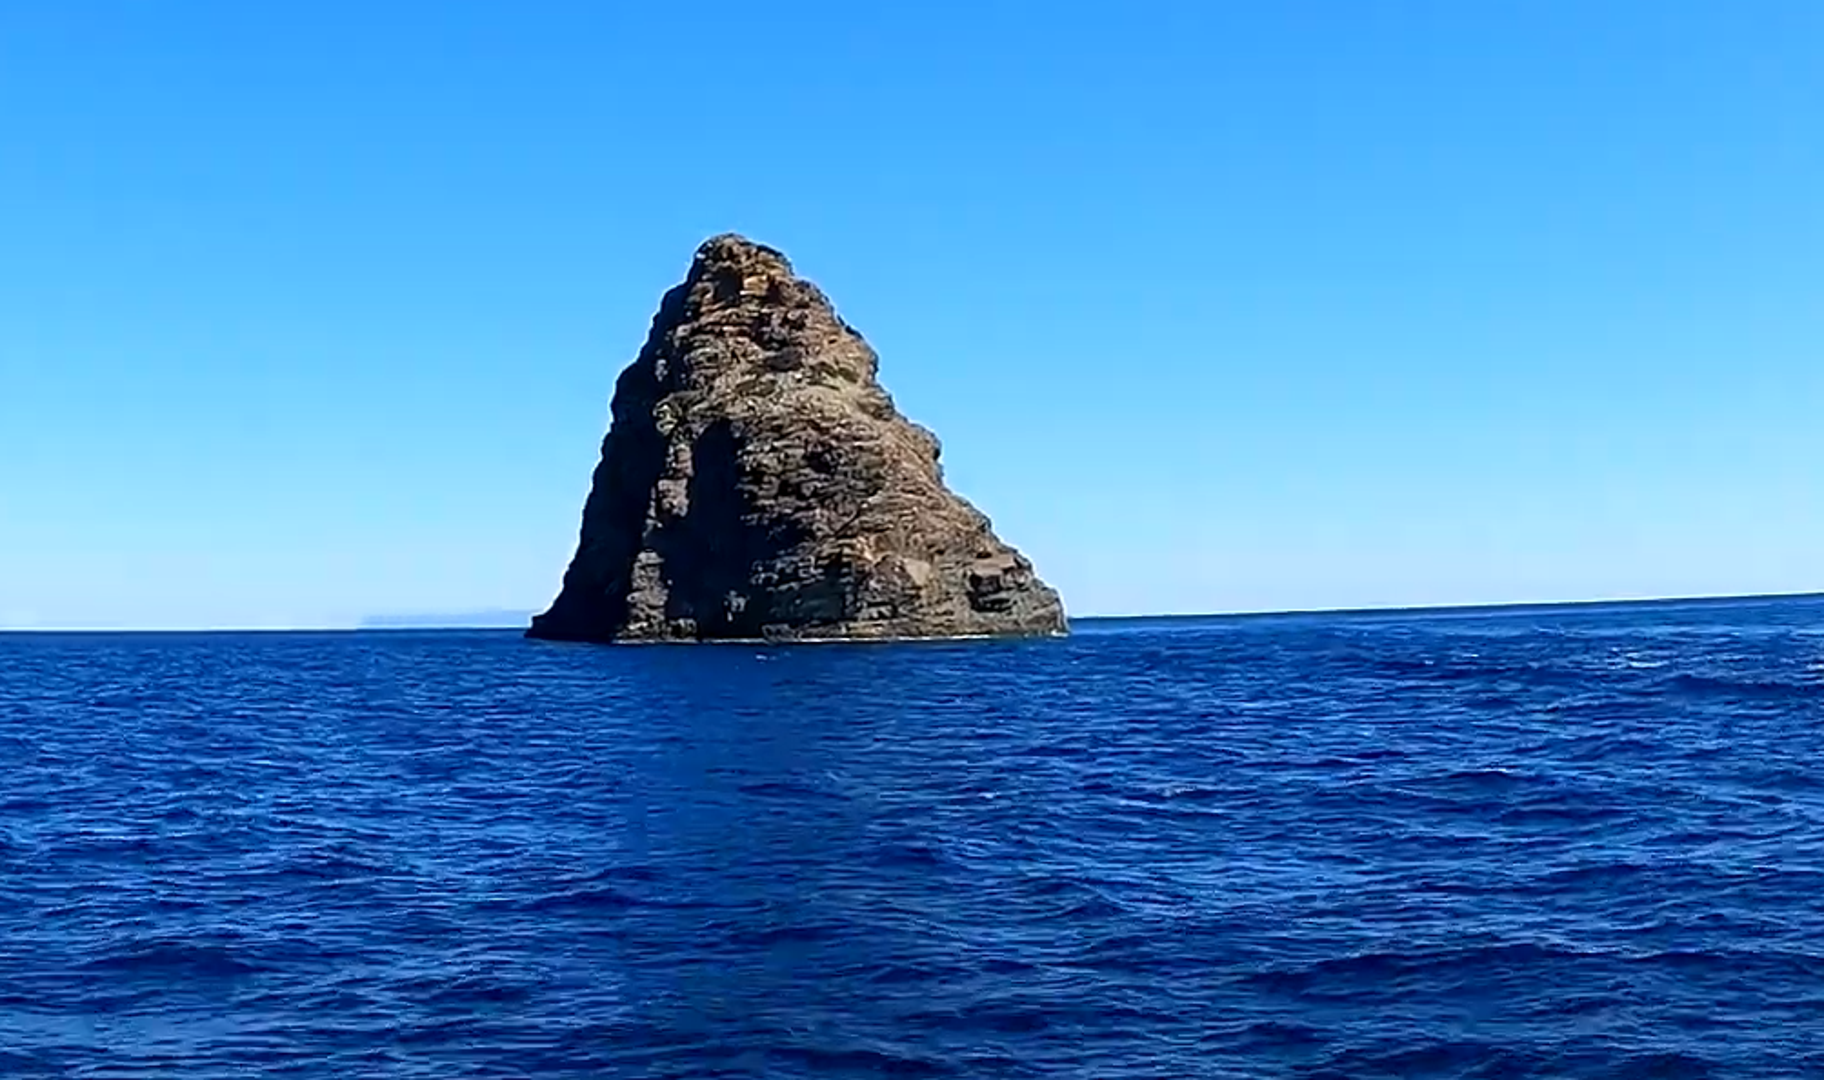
(1546, 842)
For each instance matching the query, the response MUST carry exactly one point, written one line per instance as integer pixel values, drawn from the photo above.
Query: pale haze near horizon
(311, 314)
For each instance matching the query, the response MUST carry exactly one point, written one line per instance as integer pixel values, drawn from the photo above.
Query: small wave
(1694, 685)
(1489, 777)
(787, 789)
(480, 989)
(1278, 1035)
(910, 855)
(905, 974)
(575, 900)
(1384, 967)
(794, 933)
(861, 1061)
(191, 960)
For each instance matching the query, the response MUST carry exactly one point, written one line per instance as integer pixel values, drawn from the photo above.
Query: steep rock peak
(757, 481)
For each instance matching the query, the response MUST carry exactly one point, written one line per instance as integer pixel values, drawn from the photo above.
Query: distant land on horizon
(485, 619)
(1474, 608)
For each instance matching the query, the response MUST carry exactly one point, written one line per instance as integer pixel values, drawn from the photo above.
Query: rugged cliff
(756, 481)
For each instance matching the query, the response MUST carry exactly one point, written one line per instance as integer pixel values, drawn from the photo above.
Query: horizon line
(365, 625)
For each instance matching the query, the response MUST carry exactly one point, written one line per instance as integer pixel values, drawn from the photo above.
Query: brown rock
(757, 482)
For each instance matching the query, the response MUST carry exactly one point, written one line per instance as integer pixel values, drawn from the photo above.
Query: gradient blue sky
(310, 311)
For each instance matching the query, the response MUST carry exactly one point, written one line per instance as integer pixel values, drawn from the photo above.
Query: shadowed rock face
(756, 481)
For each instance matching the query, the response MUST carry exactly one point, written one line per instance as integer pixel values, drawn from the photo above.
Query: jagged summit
(756, 481)
(728, 246)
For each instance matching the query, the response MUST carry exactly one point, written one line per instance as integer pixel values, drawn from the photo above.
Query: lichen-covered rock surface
(757, 482)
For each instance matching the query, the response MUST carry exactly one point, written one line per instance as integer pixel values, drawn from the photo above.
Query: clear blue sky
(310, 311)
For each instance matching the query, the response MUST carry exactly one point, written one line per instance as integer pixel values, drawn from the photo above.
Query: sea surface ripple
(1532, 843)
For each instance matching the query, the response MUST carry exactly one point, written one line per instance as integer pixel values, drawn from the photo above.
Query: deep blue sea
(1528, 843)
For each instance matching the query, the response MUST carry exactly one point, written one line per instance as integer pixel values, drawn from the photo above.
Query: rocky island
(757, 482)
